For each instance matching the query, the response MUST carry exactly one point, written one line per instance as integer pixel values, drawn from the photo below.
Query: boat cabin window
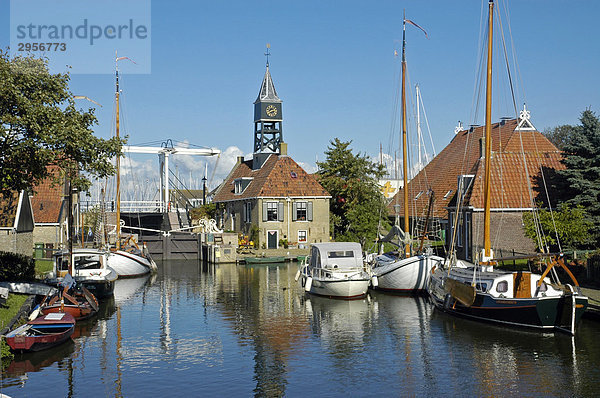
(88, 262)
(341, 254)
(62, 263)
(502, 287)
(543, 287)
(482, 286)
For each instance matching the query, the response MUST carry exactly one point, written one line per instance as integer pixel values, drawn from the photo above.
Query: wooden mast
(118, 161)
(487, 254)
(404, 149)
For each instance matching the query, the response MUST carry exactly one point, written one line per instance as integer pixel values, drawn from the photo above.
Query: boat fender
(297, 275)
(308, 284)
(448, 301)
(374, 281)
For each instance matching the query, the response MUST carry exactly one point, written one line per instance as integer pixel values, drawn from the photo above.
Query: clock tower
(267, 117)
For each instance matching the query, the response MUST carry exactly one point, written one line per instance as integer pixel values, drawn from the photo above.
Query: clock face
(271, 110)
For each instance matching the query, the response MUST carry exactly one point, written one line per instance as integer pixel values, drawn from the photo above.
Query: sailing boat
(127, 259)
(480, 292)
(396, 271)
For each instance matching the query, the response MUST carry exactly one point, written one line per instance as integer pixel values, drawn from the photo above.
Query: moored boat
(264, 260)
(41, 333)
(91, 270)
(131, 263)
(404, 270)
(393, 273)
(335, 270)
(515, 298)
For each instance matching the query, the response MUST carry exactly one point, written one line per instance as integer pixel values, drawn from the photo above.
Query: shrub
(16, 267)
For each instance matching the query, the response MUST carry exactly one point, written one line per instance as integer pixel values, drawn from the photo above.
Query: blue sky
(334, 67)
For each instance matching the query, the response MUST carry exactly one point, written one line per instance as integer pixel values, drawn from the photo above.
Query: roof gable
(15, 212)
(280, 176)
(462, 156)
(47, 200)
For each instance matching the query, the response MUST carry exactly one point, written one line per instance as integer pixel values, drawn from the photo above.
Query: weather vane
(268, 53)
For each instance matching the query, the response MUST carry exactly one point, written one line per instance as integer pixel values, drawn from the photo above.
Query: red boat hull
(42, 333)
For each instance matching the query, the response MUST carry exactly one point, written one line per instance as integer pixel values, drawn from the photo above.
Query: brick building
(47, 204)
(271, 191)
(519, 153)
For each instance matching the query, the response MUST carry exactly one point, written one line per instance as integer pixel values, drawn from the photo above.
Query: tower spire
(267, 116)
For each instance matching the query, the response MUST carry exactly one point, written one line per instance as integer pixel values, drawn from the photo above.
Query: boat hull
(341, 289)
(406, 275)
(544, 313)
(264, 260)
(129, 265)
(42, 333)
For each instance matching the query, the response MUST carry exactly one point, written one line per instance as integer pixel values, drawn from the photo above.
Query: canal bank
(593, 309)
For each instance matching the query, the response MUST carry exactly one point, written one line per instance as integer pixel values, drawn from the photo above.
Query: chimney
(283, 148)
(240, 159)
(481, 147)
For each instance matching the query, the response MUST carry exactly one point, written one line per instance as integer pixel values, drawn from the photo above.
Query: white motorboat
(91, 269)
(335, 270)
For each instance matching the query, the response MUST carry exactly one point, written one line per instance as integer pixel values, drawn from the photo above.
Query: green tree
(580, 185)
(40, 127)
(559, 135)
(572, 228)
(357, 206)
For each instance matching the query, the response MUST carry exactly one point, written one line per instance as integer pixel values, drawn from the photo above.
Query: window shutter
(294, 211)
(264, 211)
(280, 211)
(309, 211)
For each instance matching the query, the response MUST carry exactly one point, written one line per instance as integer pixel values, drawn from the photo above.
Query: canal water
(233, 330)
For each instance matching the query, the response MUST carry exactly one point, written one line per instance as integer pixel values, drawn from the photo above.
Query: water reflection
(250, 330)
(261, 304)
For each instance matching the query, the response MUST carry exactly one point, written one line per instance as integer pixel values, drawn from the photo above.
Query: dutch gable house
(271, 191)
(48, 209)
(16, 223)
(456, 174)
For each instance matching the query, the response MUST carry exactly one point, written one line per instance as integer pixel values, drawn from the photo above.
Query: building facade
(455, 176)
(16, 224)
(271, 193)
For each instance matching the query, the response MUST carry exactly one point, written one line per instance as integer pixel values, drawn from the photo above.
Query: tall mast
(118, 161)
(418, 127)
(404, 149)
(487, 254)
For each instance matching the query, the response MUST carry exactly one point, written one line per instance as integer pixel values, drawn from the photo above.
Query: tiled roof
(279, 176)
(8, 209)
(47, 200)
(509, 186)
(461, 156)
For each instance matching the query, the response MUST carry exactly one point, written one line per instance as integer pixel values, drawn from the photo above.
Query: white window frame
(305, 236)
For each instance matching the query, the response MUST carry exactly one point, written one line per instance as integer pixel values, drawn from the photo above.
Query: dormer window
(240, 184)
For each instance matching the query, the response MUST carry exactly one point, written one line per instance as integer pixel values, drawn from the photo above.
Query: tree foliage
(559, 135)
(357, 205)
(580, 185)
(40, 126)
(572, 228)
